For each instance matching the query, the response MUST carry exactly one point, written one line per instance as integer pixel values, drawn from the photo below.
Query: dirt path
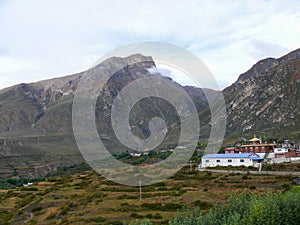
(280, 173)
(31, 216)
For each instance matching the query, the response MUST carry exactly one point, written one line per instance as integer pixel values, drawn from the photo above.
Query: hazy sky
(45, 39)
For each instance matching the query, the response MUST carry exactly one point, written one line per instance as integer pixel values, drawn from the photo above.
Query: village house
(242, 159)
(256, 146)
(232, 150)
(268, 151)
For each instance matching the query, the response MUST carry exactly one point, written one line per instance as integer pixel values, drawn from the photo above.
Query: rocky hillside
(36, 119)
(266, 98)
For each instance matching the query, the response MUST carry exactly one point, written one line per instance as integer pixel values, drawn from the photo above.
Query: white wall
(280, 150)
(280, 160)
(213, 162)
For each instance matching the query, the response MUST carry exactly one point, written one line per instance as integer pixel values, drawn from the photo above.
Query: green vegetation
(76, 195)
(69, 170)
(248, 209)
(153, 156)
(10, 183)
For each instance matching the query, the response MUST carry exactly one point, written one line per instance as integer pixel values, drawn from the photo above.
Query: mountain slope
(265, 100)
(36, 119)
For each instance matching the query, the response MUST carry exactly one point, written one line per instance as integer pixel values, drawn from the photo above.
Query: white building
(243, 159)
(280, 150)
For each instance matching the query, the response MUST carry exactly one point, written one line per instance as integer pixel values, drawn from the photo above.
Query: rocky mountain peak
(264, 66)
(122, 62)
(266, 97)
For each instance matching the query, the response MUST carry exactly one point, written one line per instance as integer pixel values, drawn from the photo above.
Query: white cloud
(43, 39)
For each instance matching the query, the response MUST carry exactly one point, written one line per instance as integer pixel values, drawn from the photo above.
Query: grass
(294, 189)
(86, 198)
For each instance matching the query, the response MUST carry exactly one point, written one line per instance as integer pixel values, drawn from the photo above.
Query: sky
(46, 39)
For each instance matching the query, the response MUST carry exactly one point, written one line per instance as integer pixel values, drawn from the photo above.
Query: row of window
(229, 160)
(256, 148)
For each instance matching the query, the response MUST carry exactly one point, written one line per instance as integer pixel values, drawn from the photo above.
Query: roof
(259, 145)
(233, 156)
(231, 148)
(255, 139)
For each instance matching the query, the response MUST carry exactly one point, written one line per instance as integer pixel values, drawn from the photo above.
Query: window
(207, 161)
(218, 160)
(229, 160)
(242, 160)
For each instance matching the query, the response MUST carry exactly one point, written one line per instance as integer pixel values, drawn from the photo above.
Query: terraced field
(87, 198)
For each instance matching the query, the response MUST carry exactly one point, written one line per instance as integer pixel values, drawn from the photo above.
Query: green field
(77, 196)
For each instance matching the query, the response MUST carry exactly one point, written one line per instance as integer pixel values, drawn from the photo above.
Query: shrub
(137, 216)
(115, 223)
(202, 205)
(5, 216)
(157, 216)
(36, 209)
(144, 222)
(51, 216)
(247, 209)
(98, 220)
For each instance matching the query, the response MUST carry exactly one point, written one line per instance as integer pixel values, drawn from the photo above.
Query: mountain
(266, 99)
(36, 133)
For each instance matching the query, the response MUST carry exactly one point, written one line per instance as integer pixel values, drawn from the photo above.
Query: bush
(115, 223)
(244, 177)
(36, 209)
(247, 208)
(5, 216)
(98, 220)
(162, 207)
(202, 205)
(157, 216)
(144, 222)
(137, 216)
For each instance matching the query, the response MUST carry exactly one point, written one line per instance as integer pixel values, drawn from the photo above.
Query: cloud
(262, 49)
(55, 38)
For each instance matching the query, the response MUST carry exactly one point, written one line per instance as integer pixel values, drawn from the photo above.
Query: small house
(232, 150)
(243, 159)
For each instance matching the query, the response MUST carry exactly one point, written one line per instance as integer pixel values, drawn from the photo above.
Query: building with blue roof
(243, 159)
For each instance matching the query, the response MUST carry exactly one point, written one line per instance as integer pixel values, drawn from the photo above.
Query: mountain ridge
(265, 97)
(35, 118)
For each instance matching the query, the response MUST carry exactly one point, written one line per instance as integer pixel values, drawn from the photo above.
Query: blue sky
(46, 39)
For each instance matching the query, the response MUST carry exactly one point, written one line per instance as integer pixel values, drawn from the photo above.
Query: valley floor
(87, 198)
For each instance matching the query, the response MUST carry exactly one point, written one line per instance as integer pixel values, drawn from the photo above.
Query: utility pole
(140, 183)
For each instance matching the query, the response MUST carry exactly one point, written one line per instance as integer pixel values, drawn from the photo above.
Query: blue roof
(236, 156)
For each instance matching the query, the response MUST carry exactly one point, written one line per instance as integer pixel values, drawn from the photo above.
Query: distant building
(136, 154)
(243, 159)
(256, 146)
(284, 153)
(232, 150)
